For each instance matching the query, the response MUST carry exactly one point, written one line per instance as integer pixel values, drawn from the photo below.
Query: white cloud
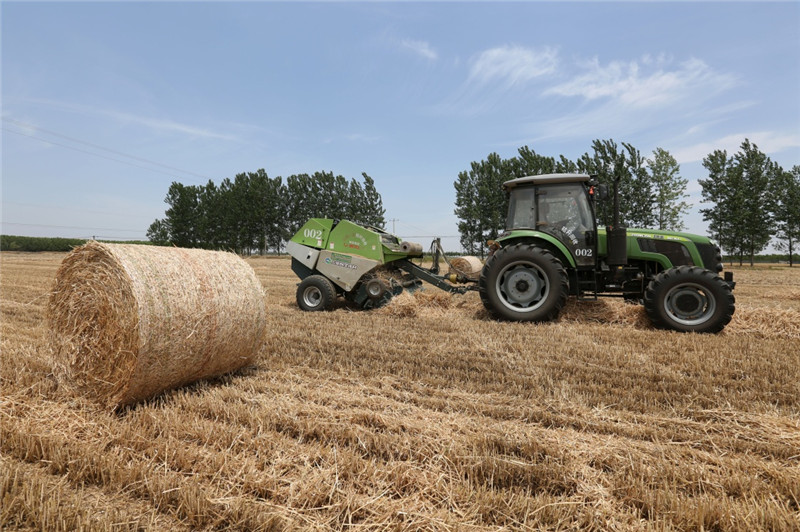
(649, 84)
(495, 72)
(767, 141)
(421, 48)
(512, 65)
(168, 125)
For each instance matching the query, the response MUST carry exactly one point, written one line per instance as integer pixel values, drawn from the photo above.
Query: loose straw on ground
(130, 321)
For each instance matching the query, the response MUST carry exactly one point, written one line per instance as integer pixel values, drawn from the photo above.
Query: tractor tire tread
(560, 286)
(664, 281)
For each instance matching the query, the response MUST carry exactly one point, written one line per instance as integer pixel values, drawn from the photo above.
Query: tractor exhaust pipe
(617, 237)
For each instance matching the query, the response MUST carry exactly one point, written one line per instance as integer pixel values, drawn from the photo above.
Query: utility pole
(393, 220)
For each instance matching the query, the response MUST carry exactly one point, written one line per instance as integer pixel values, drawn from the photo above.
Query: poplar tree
(786, 191)
(481, 203)
(608, 161)
(717, 193)
(739, 190)
(670, 190)
(467, 211)
(755, 173)
(372, 211)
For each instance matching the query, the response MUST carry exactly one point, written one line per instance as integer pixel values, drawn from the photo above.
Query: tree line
(254, 213)
(752, 199)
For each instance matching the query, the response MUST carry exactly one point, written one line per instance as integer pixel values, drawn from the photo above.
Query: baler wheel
(315, 293)
(376, 289)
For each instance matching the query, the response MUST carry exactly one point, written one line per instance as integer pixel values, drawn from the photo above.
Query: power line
(409, 225)
(88, 152)
(46, 141)
(67, 209)
(97, 146)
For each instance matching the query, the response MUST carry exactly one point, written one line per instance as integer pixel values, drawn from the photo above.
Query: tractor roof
(546, 179)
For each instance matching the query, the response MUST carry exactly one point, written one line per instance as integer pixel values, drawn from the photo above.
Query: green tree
(210, 225)
(670, 190)
(481, 203)
(756, 173)
(301, 201)
(372, 211)
(717, 192)
(272, 195)
(739, 190)
(528, 162)
(241, 211)
(608, 162)
(183, 214)
(159, 232)
(786, 193)
(226, 216)
(356, 202)
(467, 211)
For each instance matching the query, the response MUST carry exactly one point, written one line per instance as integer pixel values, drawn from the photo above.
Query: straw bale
(129, 321)
(468, 266)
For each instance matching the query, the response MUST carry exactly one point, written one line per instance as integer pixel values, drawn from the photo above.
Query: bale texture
(468, 266)
(130, 321)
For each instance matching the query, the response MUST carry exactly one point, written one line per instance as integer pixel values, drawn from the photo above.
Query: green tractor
(552, 248)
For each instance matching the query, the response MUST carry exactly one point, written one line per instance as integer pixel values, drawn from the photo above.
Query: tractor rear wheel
(689, 299)
(315, 293)
(523, 283)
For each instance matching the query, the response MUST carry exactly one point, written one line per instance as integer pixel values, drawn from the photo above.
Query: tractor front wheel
(523, 283)
(315, 293)
(689, 299)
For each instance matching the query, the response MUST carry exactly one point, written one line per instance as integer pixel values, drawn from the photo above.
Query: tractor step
(587, 289)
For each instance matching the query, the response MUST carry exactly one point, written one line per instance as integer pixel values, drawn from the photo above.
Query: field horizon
(425, 414)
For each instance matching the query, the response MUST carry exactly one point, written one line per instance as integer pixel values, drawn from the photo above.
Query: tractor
(551, 249)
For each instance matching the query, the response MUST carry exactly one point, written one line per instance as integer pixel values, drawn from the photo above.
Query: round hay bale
(468, 266)
(130, 321)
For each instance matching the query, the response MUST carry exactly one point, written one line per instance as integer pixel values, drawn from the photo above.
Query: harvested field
(422, 415)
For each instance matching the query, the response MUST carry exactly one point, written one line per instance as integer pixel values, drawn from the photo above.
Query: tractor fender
(549, 242)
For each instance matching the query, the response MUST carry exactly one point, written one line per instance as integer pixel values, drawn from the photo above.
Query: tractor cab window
(564, 207)
(563, 211)
(522, 209)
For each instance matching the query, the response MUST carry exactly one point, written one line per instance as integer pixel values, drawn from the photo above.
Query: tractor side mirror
(601, 192)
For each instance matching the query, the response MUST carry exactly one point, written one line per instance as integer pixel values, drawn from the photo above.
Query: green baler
(366, 265)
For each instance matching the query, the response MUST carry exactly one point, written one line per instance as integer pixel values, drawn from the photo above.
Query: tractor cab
(558, 205)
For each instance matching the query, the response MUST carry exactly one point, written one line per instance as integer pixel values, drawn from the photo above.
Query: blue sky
(104, 104)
